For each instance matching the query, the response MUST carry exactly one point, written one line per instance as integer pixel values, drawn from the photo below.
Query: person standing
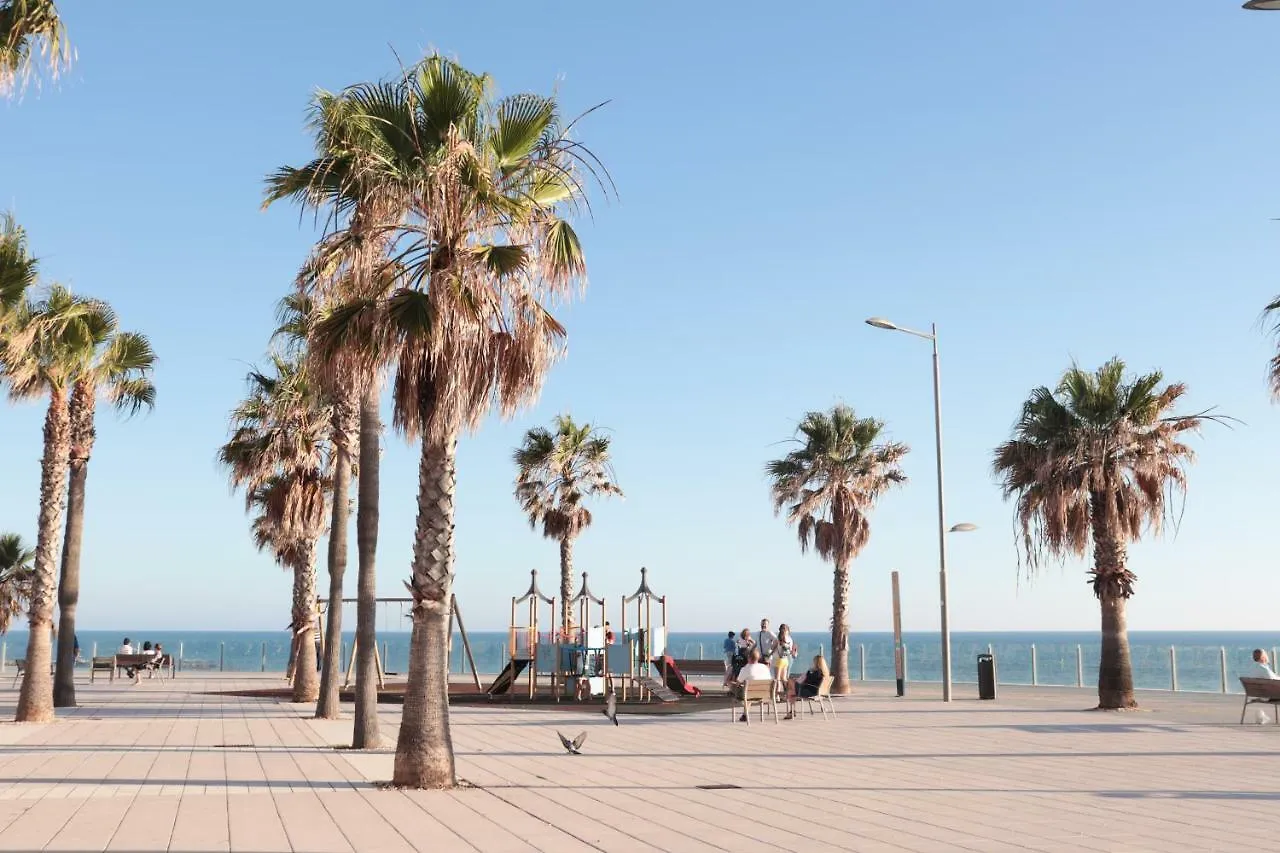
(784, 650)
(766, 640)
(730, 646)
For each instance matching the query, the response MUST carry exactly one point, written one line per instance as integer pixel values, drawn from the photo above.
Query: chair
(102, 664)
(19, 664)
(757, 692)
(822, 699)
(1264, 690)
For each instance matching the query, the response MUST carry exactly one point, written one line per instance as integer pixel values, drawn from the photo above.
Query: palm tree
(119, 366)
(296, 314)
(353, 180)
(28, 28)
(1273, 368)
(277, 453)
(15, 577)
(828, 486)
(484, 254)
(42, 354)
(1094, 464)
(555, 473)
(18, 269)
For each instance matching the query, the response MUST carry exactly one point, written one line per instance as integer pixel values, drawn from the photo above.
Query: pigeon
(574, 746)
(610, 709)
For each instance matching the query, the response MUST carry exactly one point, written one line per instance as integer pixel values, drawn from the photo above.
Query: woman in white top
(784, 650)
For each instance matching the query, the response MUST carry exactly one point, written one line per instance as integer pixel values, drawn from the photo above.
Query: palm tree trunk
(424, 749)
(35, 700)
(305, 686)
(330, 705)
(1112, 584)
(366, 734)
(81, 417)
(840, 631)
(566, 583)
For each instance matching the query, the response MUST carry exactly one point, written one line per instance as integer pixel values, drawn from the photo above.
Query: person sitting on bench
(753, 671)
(1261, 666)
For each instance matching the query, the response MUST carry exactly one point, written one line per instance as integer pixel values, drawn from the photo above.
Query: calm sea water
(1198, 653)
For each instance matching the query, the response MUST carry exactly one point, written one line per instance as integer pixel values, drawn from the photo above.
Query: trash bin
(986, 677)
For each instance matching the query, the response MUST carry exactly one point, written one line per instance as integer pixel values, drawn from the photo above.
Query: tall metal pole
(942, 524)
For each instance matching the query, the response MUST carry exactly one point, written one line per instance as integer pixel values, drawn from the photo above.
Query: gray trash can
(986, 677)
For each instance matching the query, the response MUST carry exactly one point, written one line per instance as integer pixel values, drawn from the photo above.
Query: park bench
(146, 662)
(1265, 690)
(691, 666)
(102, 664)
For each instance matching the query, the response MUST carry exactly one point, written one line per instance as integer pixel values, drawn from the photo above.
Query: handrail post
(862, 662)
(264, 655)
(1035, 676)
(181, 645)
(1222, 651)
(222, 656)
(1173, 668)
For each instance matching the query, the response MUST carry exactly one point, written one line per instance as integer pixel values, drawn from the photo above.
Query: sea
(1204, 661)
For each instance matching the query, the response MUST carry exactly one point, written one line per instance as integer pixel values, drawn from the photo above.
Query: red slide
(675, 678)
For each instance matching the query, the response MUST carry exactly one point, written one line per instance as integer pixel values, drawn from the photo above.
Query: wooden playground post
(466, 643)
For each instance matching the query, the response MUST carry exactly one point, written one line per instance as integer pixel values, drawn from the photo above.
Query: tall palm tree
(278, 454)
(118, 366)
(41, 355)
(16, 569)
(555, 473)
(354, 181)
(828, 486)
(1094, 463)
(29, 28)
(296, 314)
(485, 254)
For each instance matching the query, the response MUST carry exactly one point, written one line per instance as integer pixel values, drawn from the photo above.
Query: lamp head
(882, 323)
(1263, 5)
(963, 527)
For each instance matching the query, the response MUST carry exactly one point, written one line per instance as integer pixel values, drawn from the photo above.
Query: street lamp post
(1263, 5)
(932, 337)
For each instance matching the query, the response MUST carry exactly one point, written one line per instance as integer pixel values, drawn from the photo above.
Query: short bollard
(986, 676)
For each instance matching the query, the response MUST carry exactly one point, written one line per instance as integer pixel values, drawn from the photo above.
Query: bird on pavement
(574, 746)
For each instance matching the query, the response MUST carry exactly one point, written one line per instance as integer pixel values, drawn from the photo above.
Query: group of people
(767, 657)
(156, 652)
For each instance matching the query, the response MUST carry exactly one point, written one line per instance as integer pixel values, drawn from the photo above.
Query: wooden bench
(690, 666)
(1265, 690)
(145, 661)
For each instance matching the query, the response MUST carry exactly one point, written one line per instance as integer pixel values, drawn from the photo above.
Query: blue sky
(1046, 181)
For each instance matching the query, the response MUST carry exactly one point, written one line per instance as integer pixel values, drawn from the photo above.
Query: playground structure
(584, 658)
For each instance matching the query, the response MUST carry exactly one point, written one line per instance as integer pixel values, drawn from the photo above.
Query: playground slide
(507, 677)
(675, 678)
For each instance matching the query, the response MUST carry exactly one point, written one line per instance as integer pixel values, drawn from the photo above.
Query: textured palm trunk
(35, 700)
(840, 631)
(305, 685)
(82, 434)
(1113, 584)
(424, 748)
(330, 705)
(566, 583)
(366, 733)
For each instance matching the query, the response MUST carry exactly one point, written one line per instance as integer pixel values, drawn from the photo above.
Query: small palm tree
(828, 486)
(119, 366)
(29, 28)
(16, 569)
(555, 473)
(1094, 463)
(278, 454)
(41, 354)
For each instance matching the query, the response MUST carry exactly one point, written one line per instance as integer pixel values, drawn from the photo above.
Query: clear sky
(1046, 181)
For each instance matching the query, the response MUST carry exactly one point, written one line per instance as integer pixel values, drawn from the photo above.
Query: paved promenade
(169, 766)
